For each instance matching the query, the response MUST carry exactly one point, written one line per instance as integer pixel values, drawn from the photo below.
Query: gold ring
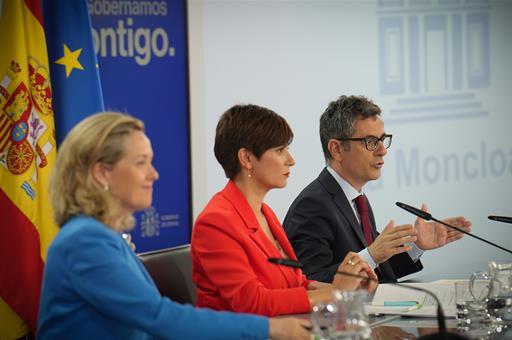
(351, 263)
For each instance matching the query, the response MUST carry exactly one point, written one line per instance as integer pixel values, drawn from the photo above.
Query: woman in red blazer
(237, 232)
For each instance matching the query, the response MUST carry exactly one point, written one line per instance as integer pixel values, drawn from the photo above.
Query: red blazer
(229, 260)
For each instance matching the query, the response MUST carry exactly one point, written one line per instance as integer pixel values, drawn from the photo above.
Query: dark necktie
(364, 217)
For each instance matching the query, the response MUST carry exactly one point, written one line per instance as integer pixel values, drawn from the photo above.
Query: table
(387, 327)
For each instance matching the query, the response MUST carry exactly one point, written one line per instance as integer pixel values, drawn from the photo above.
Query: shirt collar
(348, 189)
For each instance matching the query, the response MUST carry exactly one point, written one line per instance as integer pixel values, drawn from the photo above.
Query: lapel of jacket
(278, 232)
(342, 203)
(291, 275)
(239, 202)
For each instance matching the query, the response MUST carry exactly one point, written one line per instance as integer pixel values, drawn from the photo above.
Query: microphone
(415, 211)
(426, 216)
(440, 314)
(285, 262)
(503, 219)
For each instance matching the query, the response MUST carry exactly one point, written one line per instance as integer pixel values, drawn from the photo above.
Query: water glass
(499, 290)
(499, 276)
(324, 320)
(353, 321)
(471, 307)
(500, 295)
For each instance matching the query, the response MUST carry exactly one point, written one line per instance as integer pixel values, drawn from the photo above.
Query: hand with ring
(354, 264)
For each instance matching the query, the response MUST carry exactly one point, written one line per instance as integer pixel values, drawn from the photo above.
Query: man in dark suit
(332, 216)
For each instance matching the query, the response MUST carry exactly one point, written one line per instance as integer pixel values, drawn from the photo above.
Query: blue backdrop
(142, 54)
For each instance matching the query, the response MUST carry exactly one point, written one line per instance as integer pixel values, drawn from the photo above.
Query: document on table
(392, 299)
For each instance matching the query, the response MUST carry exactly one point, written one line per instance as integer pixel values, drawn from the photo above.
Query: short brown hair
(73, 190)
(248, 126)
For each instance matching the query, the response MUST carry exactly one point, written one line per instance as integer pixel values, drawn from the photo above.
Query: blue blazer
(94, 286)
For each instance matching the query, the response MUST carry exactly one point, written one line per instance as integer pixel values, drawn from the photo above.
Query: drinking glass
(498, 291)
(471, 306)
(353, 322)
(324, 320)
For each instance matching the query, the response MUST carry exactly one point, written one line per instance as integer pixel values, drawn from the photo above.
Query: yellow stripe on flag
(27, 155)
(11, 325)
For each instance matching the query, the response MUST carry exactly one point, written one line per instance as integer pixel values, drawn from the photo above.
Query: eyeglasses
(371, 142)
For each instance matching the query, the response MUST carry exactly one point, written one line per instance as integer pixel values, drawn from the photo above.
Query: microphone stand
(427, 217)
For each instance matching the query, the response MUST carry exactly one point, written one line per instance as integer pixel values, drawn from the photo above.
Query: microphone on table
(285, 262)
(503, 219)
(440, 314)
(427, 217)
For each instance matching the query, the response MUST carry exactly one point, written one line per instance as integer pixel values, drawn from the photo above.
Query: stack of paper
(393, 299)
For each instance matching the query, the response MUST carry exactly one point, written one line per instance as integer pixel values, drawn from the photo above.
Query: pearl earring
(106, 187)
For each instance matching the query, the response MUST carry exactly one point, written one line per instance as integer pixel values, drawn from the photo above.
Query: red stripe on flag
(35, 6)
(20, 262)
(5, 126)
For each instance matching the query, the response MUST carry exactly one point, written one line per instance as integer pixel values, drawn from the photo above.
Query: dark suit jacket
(322, 229)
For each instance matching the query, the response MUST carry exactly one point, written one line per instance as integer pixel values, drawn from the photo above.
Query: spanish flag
(27, 155)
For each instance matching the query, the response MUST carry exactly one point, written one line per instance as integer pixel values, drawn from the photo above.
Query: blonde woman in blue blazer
(94, 286)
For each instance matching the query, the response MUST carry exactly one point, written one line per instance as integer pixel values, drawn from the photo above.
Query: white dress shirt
(351, 194)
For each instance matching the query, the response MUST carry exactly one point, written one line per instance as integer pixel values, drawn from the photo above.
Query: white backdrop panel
(440, 71)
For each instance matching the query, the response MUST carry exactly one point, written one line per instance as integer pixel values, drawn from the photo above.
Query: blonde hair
(73, 190)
